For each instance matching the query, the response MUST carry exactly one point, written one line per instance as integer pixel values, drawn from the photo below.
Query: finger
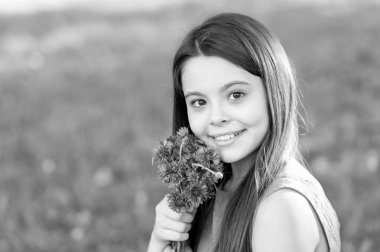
(174, 225)
(163, 208)
(171, 235)
(184, 217)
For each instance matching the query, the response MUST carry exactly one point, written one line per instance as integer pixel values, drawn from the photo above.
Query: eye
(198, 103)
(236, 95)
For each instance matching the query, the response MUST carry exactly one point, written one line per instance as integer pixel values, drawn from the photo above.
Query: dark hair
(248, 44)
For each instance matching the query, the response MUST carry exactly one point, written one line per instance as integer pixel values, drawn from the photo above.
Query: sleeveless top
(305, 184)
(296, 177)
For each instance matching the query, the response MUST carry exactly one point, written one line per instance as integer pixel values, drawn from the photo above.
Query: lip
(227, 141)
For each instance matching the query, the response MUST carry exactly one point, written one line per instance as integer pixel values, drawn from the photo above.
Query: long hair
(248, 44)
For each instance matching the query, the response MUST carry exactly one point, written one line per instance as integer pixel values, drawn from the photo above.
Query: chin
(238, 157)
(230, 158)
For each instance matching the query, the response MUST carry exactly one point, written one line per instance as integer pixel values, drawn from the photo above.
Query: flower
(189, 168)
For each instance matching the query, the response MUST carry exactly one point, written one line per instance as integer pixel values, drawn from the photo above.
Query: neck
(239, 170)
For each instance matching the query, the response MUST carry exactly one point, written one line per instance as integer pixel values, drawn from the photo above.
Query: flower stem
(219, 175)
(180, 148)
(179, 246)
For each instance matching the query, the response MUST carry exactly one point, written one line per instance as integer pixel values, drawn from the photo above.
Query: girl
(235, 89)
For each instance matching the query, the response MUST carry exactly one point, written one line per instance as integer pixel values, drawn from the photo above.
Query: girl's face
(226, 106)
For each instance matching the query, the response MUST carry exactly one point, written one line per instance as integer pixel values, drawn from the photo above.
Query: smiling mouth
(226, 138)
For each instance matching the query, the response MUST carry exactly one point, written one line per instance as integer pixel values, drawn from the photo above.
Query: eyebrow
(225, 87)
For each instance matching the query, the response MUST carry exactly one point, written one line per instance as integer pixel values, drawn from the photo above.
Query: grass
(85, 96)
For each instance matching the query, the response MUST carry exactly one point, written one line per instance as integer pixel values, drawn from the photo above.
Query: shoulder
(285, 221)
(295, 168)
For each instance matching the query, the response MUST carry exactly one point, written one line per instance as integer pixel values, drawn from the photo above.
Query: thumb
(188, 249)
(192, 210)
(168, 249)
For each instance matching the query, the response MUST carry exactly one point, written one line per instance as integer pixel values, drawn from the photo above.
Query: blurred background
(85, 95)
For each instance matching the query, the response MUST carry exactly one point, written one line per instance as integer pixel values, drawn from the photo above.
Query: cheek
(248, 116)
(198, 123)
(259, 116)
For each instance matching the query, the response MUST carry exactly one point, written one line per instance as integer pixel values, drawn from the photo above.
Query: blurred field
(85, 96)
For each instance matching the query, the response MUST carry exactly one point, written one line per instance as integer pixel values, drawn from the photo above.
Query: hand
(169, 226)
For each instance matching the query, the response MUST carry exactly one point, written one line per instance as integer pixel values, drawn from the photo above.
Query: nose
(218, 116)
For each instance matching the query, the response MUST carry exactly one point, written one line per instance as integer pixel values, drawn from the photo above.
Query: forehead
(211, 71)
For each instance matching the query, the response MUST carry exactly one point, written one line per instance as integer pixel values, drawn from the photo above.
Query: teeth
(225, 137)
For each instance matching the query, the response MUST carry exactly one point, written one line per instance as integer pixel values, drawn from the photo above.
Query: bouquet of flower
(190, 170)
